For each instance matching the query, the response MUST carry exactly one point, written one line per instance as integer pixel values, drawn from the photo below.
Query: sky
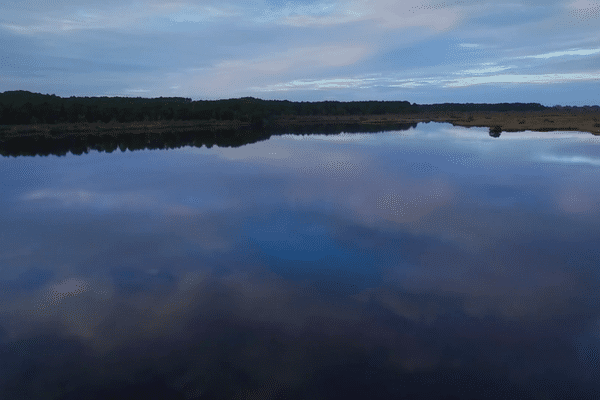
(417, 50)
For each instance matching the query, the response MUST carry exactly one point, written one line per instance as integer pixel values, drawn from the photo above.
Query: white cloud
(255, 73)
(188, 13)
(470, 77)
(319, 84)
(486, 70)
(137, 91)
(126, 16)
(318, 56)
(387, 13)
(408, 85)
(576, 52)
(583, 4)
(358, 82)
(292, 12)
(522, 78)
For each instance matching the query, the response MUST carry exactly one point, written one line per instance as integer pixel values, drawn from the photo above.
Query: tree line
(23, 107)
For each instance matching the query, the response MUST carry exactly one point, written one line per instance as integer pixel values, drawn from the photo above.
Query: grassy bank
(543, 121)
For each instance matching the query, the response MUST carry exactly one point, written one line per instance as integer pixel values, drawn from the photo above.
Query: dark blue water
(431, 263)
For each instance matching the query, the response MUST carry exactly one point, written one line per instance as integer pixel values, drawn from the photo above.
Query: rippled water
(432, 262)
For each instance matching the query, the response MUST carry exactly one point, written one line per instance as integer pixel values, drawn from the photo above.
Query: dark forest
(23, 107)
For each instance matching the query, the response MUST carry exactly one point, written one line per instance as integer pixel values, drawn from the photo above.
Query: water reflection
(435, 262)
(58, 143)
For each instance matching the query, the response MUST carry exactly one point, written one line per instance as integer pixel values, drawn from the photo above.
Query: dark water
(432, 263)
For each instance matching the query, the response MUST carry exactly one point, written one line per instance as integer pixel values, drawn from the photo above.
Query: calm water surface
(436, 262)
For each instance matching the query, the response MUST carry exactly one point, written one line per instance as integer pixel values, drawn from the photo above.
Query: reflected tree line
(78, 144)
(23, 107)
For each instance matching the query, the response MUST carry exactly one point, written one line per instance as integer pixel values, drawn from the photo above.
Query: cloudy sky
(417, 50)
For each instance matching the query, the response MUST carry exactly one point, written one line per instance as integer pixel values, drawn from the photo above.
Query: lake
(426, 263)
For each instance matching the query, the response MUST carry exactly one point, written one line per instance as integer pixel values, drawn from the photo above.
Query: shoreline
(540, 121)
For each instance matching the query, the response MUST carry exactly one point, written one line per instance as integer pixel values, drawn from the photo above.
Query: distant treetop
(23, 107)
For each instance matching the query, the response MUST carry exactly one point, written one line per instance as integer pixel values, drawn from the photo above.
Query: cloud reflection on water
(381, 255)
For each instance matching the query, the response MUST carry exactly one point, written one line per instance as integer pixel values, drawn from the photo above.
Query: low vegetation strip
(542, 121)
(26, 113)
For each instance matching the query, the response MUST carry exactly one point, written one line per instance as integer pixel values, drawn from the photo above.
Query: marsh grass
(580, 120)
